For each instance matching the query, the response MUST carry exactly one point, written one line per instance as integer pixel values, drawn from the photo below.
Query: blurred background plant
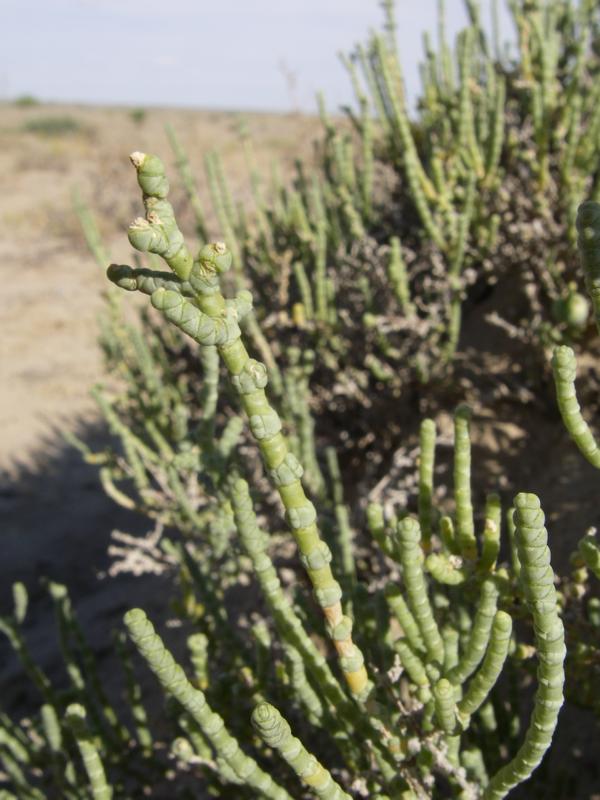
(55, 125)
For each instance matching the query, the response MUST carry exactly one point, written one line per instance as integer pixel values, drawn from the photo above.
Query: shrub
(376, 257)
(55, 125)
(26, 101)
(405, 710)
(433, 629)
(138, 115)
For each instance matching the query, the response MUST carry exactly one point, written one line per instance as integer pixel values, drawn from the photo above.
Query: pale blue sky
(201, 53)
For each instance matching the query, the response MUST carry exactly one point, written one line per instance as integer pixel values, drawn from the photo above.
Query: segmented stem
(537, 579)
(277, 733)
(564, 367)
(101, 789)
(212, 320)
(173, 680)
(495, 656)
(408, 540)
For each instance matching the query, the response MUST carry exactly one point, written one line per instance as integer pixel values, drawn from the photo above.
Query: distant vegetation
(62, 125)
(26, 101)
(138, 115)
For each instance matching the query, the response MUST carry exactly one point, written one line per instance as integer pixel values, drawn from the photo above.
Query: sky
(225, 54)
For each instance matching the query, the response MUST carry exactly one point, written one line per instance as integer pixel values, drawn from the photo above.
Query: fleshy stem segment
(176, 684)
(564, 367)
(564, 364)
(277, 733)
(588, 243)
(210, 319)
(100, 788)
(537, 580)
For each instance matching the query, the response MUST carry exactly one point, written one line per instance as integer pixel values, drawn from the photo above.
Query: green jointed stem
(108, 485)
(297, 216)
(446, 568)
(262, 656)
(320, 273)
(39, 679)
(376, 526)
(210, 392)
(367, 178)
(590, 552)
(230, 436)
(401, 611)
(411, 662)
(537, 579)
(588, 242)
(448, 535)
(399, 278)
(426, 464)
(420, 185)
(345, 537)
(445, 706)
(479, 636)
(80, 664)
(20, 601)
(564, 367)
(199, 745)
(176, 684)
(301, 687)
(158, 233)
(212, 320)
(136, 451)
(495, 140)
(288, 623)
(187, 177)
(451, 642)
(304, 289)
(92, 235)
(228, 204)
(146, 281)
(495, 656)
(491, 533)
(512, 540)
(198, 647)
(10, 740)
(276, 732)
(408, 539)
(10, 767)
(298, 396)
(101, 789)
(455, 269)
(465, 528)
(134, 695)
(465, 112)
(51, 728)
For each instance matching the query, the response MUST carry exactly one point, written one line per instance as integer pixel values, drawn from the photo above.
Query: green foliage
(401, 714)
(138, 115)
(375, 255)
(401, 675)
(584, 658)
(26, 101)
(53, 125)
(203, 313)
